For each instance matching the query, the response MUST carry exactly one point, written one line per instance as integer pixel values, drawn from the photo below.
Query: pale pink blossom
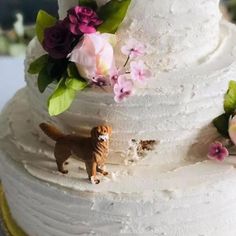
(217, 151)
(232, 129)
(115, 73)
(139, 71)
(123, 89)
(94, 55)
(133, 49)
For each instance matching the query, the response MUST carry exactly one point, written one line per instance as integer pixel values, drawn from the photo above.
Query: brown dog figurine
(92, 150)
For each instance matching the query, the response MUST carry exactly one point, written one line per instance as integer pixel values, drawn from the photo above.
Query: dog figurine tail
(51, 131)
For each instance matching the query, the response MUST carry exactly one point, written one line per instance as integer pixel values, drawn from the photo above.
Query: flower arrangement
(80, 53)
(226, 125)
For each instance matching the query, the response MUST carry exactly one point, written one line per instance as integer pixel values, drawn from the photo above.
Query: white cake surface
(191, 198)
(181, 33)
(174, 190)
(176, 108)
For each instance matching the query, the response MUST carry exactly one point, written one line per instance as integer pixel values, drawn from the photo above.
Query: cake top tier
(182, 33)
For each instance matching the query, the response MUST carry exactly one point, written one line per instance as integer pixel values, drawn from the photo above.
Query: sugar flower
(83, 20)
(100, 81)
(115, 74)
(217, 151)
(139, 71)
(58, 40)
(123, 89)
(232, 129)
(94, 56)
(133, 48)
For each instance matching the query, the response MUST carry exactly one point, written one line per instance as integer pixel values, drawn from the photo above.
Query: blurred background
(17, 19)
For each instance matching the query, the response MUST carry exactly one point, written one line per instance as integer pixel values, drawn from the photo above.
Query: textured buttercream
(194, 199)
(180, 32)
(169, 191)
(176, 107)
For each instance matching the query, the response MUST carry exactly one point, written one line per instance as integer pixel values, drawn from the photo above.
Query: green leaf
(77, 85)
(222, 124)
(89, 3)
(230, 98)
(37, 65)
(74, 80)
(44, 79)
(57, 68)
(61, 99)
(43, 21)
(113, 14)
(72, 70)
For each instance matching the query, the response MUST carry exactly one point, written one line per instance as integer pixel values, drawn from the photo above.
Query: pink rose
(83, 20)
(94, 56)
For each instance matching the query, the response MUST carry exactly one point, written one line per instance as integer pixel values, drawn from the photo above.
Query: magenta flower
(58, 40)
(123, 89)
(139, 72)
(218, 152)
(83, 20)
(133, 49)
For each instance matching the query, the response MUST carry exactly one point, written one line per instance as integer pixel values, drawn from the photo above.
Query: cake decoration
(222, 122)
(133, 48)
(150, 182)
(92, 150)
(80, 52)
(226, 126)
(218, 152)
(232, 129)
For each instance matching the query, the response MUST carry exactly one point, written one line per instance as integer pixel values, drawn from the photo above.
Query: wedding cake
(160, 181)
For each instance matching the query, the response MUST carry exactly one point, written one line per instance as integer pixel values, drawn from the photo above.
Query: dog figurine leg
(103, 172)
(91, 168)
(62, 153)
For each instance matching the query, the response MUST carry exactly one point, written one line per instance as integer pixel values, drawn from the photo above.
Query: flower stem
(127, 61)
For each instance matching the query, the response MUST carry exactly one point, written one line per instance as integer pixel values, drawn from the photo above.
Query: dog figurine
(92, 150)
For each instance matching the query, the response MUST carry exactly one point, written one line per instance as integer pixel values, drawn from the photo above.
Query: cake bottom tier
(191, 198)
(9, 225)
(205, 204)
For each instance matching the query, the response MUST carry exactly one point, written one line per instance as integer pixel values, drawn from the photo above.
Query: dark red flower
(58, 40)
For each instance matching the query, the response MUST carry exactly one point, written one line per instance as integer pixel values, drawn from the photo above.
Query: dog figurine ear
(109, 130)
(94, 133)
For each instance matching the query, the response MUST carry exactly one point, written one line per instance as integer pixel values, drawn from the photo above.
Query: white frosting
(192, 96)
(180, 32)
(190, 199)
(166, 193)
